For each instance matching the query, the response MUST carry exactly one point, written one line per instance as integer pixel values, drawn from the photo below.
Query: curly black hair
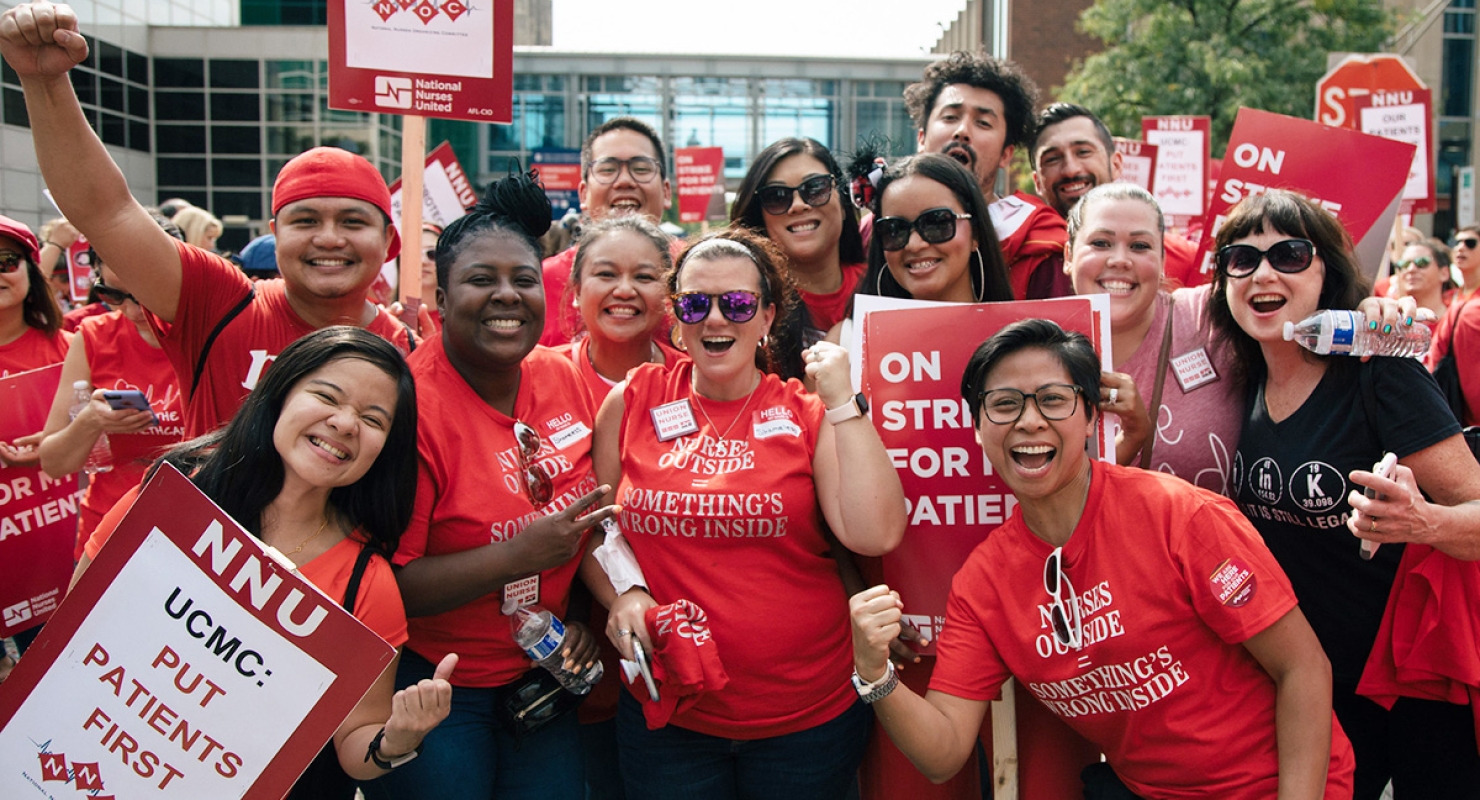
(1004, 78)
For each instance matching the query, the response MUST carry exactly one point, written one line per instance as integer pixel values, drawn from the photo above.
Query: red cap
(19, 232)
(333, 172)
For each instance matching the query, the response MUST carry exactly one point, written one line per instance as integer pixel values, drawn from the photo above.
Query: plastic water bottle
(100, 458)
(542, 635)
(1345, 333)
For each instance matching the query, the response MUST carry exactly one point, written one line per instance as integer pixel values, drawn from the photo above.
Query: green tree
(1213, 56)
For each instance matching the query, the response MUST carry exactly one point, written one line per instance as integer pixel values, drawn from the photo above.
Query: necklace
(655, 356)
(737, 418)
(295, 551)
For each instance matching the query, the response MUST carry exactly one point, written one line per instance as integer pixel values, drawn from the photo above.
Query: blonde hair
(197, 224)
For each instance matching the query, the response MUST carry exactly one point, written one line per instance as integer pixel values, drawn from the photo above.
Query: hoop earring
(981, 291)
(879, 281)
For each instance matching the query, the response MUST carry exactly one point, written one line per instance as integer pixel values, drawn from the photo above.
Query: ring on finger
(1374, 524)
(624, 632)
(1114, 395)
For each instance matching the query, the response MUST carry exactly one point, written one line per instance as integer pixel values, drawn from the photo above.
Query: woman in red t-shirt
(31, 334)
(727, 480)
(300, 468)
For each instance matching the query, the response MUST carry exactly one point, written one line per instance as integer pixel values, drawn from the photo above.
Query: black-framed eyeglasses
(815, 191)
(1467, 241)
(738, 306)
(935, 226)
(110, 295)
(1416, 263)
(1067, 624)
(536, 483)
(641, 168)
(1055, 401)
(10, 261)
(1290, 256)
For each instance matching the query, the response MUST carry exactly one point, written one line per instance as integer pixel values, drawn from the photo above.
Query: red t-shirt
(33, 350)
(829, 309)
(210, 286)
(72, 319)
(378, 604)
(733, 524)
(1180, 267)
(119, 358)
(1171, 579)
(562, 319)
(471, 493)
(1461, 321)
(597, 386)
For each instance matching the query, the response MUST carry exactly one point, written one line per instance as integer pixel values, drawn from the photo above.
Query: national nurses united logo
(1317, 487)
(1266, 482)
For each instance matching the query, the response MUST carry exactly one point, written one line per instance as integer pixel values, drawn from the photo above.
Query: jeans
(818, 763)
(471, 756)
(1426, 747)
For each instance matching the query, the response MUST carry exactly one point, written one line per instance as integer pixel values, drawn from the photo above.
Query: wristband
(373, 754)
(856, 406)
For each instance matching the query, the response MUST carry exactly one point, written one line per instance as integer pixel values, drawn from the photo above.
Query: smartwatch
(856, 406)
(879, 689)
(373, 754)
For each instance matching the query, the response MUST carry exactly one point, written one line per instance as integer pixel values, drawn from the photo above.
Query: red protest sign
(1137, 162)
(1183, 148)
(1273, 151)
(446, 195)
(701, 185)
(38, 515)
(185, 663)
(431, 58)
(1359, 75)
(1404, 116)
(912, 360)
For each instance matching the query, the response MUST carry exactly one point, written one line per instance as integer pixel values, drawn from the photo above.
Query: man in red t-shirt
(622, 172)
(331, 216)
(1072, 152)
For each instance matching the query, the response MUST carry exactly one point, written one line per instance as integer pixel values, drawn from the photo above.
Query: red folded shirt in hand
(686, 662)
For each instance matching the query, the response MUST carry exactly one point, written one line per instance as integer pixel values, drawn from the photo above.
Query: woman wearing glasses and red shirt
(1313, 426)
(504, 443)
(725, 493)
(1143, 611)
(1459, 328)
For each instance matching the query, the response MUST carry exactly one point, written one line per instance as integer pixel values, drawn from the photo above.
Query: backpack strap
(353, 589)
(205, 350)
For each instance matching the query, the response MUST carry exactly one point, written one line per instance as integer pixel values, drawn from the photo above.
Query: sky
(880, 28)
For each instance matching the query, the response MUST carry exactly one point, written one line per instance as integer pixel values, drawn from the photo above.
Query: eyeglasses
(1417, 263)
(1067, 624)
(1055, 401)
(536, 483)
(776, 198)
(1467, 241)
(110, 295)
(10, 261)
(1290, 256)
(738, 306)
(936, 225)
(641, 168)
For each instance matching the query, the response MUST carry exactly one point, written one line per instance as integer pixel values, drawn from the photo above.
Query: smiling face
(940, 272)
(1118, 251)
(493, 307)
(621, 292)
(624, 195)
(1420, 280)
(723, 351)
(969, 124)
(807, 235)
(1072, 160)
(14, 285)
(333, 424)
(330, 247)
(1263, 302)
(1041, 460)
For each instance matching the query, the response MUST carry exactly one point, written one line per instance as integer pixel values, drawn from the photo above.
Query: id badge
(1193, 369)
(672, 420)
(523, 592)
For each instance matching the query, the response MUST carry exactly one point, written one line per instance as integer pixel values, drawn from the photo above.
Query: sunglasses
(430, 255)
(536, 483)
(814, 191)
(1055, 401)
(10, 261)
(1067, 625)
(738, 306)
(1290, 256)
(641, 168)
(936, 225)
(1467, 241)
(1417, 263)
(110, 295)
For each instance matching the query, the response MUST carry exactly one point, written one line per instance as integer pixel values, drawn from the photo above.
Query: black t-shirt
(1290, 479)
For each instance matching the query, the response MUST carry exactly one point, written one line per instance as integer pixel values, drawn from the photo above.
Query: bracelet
(373, 753)
(45, 242)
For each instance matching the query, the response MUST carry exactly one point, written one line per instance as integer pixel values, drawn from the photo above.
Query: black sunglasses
(110, 295)
(935, 225)
(1240, 260)
(10, 261)
(738, 306)
(1467, 241)
(776, 198)
(1416, 263)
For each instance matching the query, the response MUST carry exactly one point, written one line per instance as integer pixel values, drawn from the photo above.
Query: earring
(981, 291)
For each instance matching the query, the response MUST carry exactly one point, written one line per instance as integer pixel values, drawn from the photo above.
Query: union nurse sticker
(1233, 583)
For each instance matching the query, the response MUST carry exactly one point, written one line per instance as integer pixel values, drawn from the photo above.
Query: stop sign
(1359, 75)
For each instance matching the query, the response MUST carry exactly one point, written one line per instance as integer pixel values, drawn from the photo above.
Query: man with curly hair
(977, 109)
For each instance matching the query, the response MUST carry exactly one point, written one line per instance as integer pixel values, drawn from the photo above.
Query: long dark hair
(988, 275)
(747, 210)
(239, 468)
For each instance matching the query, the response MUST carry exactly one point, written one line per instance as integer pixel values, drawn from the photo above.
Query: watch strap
(373, 754)
(849, 410)
(879, 689)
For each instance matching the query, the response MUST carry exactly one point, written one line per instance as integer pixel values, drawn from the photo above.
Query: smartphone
(1382, 469)
(640, 656)
(125, 399)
